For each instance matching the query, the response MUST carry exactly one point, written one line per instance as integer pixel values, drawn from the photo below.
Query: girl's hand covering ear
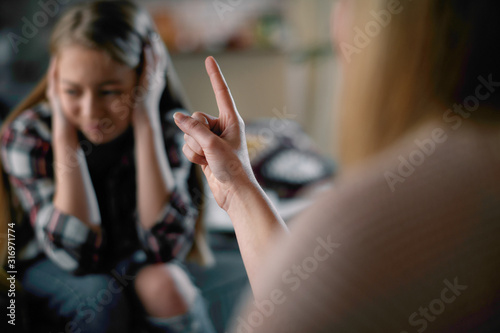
(152, 81)
(60, 125)
(218, 144)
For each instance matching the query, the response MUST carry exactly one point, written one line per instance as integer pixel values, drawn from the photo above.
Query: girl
(95, 163)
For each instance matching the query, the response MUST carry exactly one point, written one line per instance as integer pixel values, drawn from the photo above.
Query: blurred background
(275, 54)
(277, 59)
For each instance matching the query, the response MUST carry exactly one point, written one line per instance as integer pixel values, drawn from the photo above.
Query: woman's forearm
(152, 191)
(257, 225)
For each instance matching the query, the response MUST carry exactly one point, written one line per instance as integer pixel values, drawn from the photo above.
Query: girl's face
(95, 92)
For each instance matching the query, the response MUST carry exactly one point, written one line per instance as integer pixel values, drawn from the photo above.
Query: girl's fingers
(148, 62)
(52, 93)
(160, 53)
(52, 85)
(51, 77)
(191, 143)
(193, 157)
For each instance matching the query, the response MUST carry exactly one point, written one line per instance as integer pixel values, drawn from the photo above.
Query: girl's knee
(165, 290)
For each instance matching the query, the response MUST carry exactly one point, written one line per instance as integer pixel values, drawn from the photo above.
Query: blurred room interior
(277, 60)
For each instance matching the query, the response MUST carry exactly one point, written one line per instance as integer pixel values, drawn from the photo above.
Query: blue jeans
(99, 302)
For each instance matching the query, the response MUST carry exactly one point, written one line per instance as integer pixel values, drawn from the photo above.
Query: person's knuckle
(191, 124)
(197, 115)
(198, 159)
(222, 90)
(201, 118)
(191, 146)
(188, 152)
(212, 142)
(195, 146)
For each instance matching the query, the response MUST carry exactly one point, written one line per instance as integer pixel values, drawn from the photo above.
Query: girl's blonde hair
(426, 57)
(120, 28)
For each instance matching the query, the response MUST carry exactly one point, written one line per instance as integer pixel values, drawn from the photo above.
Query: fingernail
(213, 59)
(179, 116)
(205, 120)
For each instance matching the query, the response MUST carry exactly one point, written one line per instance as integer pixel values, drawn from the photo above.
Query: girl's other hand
(218, 144)
(61, 127)
(151, 83)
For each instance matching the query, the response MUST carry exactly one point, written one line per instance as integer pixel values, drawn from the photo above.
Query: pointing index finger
(223, 96)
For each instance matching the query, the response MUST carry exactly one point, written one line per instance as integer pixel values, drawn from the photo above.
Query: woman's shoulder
(430, 156)
(34, 121)
(434, 179)
(432, 224)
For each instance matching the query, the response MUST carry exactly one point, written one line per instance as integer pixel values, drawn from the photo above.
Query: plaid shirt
(27, 158)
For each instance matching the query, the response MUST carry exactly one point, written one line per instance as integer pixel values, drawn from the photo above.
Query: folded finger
(201, 118)
(208, 120)
(193, 157)
(195, 129)
(193, 145)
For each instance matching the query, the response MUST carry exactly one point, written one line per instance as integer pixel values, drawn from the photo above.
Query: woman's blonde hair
(120, 28)
(425, 57)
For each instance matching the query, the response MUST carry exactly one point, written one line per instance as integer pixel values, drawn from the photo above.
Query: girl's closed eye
(110, 92)
(71, 92)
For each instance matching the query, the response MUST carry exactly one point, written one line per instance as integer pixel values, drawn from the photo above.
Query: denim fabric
(92, 303)
(100, 302)
(195, 321)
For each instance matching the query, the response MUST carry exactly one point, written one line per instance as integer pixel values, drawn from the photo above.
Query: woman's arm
(257, 225)
(219, 146)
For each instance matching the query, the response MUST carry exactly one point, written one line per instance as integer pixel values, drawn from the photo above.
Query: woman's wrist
(243, 190)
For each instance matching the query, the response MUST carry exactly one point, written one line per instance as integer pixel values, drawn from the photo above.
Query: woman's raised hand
(218, 144)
